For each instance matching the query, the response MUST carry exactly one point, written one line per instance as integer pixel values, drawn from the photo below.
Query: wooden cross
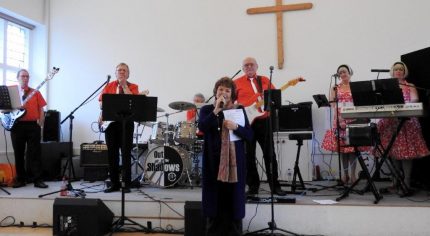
(279, 9)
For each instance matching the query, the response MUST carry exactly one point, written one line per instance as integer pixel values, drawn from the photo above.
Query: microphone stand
(230, 78)
(336, 101)
(69, 162)
(272, 224)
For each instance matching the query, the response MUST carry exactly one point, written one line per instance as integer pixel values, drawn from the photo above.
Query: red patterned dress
(409, 142)
(330, 140)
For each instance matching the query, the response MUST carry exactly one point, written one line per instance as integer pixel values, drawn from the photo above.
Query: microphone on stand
(236, 73)
(335, 75)
(271, 68)
(379, 70)
(108, 78)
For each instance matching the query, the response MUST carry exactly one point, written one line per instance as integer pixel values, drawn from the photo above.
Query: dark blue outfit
(222, 201)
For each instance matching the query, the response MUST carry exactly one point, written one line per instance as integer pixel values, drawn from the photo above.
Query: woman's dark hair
(228, 83)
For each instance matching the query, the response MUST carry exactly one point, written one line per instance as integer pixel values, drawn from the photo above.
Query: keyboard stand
(396, 173)
(364, 174)
(299, 138)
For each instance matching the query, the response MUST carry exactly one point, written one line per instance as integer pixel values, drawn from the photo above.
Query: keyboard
(383, 111)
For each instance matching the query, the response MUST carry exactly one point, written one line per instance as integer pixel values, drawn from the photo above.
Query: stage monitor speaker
(79, 216)
(51, 127)
(95, 173)
(195, 223)
(295, 117)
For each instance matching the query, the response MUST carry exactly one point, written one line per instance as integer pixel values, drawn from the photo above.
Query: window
(14, 50)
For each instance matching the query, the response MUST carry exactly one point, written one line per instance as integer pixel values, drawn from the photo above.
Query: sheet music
(238, 117)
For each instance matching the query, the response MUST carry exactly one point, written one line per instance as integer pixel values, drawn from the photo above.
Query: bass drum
(166, 165)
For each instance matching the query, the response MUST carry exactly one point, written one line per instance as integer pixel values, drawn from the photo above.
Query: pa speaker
(77, 216)
(51, 127)
(195, 223)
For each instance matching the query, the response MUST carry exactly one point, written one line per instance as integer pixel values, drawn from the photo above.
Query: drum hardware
(136, 153)
(159, 109)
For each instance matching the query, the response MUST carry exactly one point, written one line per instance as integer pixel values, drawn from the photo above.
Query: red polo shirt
(112, 88)
(245, 92)
(33, 106)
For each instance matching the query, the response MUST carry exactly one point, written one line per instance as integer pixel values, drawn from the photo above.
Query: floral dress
(330, 139)
(409, 143)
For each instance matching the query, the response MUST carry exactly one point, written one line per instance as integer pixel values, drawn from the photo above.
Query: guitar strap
(260, 85)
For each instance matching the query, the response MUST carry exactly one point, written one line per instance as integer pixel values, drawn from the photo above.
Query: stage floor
(164, 208)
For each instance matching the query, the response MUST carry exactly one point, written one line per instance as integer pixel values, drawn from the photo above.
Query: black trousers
(264, 139)
(114, 141)
(25, 137)
(224, 223)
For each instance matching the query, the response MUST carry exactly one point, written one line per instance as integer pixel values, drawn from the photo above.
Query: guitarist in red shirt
(26, 134)
(247, 87)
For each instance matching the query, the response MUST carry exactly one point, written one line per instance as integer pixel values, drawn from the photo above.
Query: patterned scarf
(227, 171)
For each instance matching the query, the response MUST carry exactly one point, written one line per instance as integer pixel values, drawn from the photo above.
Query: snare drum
(166, 165)
(185, 132)
(159, 131)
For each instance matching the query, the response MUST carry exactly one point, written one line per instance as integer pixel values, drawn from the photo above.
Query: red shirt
(112, 88)
(245, 92)
(191, 115)
(33, 106)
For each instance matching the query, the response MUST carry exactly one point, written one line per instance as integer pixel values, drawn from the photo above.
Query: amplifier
(93, 155)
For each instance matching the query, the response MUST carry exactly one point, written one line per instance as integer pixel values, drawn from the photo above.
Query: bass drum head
(165, 166)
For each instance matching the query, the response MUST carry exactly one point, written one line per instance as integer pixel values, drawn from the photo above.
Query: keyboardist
(409, 143)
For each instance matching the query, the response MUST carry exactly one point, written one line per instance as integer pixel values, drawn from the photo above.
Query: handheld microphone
(379, 70)
(221, 104)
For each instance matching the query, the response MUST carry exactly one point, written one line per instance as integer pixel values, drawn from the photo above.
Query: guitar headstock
(295, 81)
(52, 73)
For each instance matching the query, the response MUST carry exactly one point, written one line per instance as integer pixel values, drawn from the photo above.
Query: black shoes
(112, 188)
(115, 188)
(278, 191)
(40, 184)
(18, 184)
(252, 191)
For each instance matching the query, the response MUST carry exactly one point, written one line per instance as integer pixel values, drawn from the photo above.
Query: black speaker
(51, 127)
(195, 223)
(51, 154)
(78, 216)
(295, 117)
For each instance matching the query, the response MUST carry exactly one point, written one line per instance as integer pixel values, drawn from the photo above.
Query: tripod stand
(125, 108)
(272, 224)
(69, 163)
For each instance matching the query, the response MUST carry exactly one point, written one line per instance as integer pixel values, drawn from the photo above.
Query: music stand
(124, 108)
(376, 92)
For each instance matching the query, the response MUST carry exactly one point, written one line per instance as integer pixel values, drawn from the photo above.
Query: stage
(164, 207)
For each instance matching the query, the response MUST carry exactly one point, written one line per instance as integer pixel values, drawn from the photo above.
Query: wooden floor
(14, 231)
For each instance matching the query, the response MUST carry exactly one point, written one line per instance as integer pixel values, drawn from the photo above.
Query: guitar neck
(33, 92)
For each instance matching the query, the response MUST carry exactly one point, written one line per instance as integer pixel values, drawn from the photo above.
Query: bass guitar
(252, 107)
(9, 118)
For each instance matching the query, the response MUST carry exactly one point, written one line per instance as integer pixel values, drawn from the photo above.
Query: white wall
(178, 48)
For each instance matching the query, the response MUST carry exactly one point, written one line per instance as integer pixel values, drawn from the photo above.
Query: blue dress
(232, 194)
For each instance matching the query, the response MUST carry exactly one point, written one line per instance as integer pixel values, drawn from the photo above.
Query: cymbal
(180, 105)
(159, 109)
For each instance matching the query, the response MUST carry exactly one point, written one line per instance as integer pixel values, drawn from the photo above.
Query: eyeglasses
(249, 65)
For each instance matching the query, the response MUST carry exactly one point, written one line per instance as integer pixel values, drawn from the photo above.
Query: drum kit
(174, 151)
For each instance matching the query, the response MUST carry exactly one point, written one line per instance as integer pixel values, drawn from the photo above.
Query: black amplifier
(94, 155)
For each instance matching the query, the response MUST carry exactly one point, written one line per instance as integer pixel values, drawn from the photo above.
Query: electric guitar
(251, 107)
(9, 118)
(103, 125)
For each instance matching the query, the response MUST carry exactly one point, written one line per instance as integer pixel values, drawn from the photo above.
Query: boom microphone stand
(272, 224)
(69, 162)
